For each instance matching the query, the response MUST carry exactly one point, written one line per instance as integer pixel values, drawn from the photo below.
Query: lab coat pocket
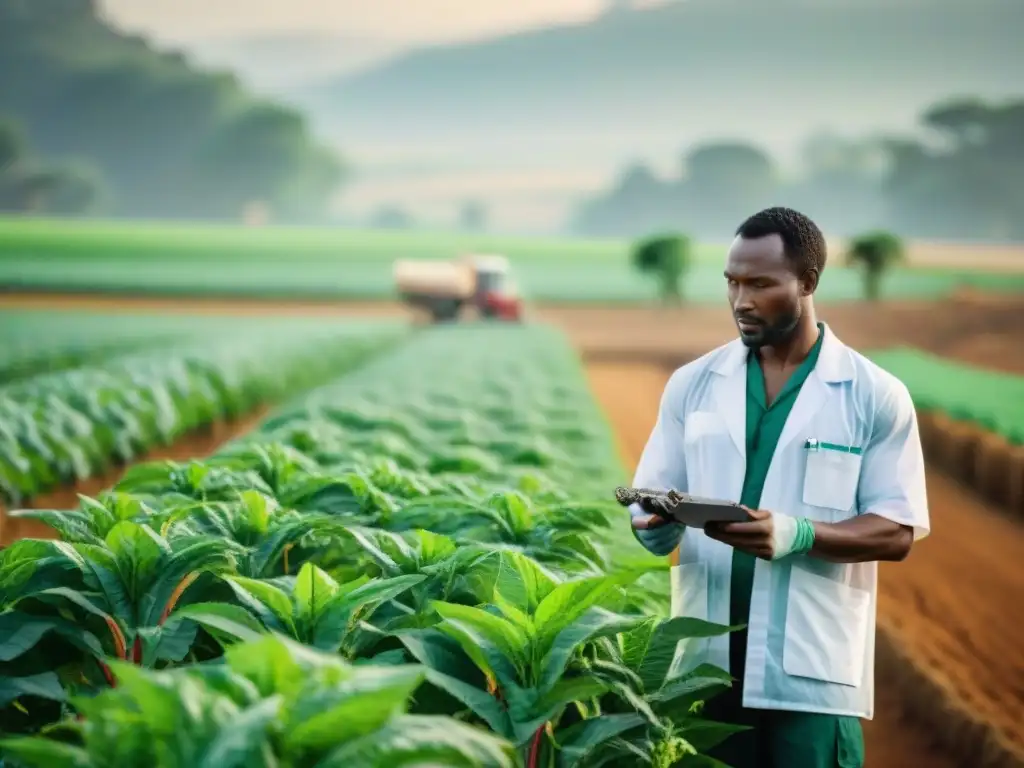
(826, 629)
(831, 478)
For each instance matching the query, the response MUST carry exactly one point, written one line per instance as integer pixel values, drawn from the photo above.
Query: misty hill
(150, 133)
(753, 68)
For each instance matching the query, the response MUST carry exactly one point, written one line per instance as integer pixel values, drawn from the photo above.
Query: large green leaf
(417, 741)
(20, 632)
(497, 645)
(359, 706)
(338, 614)
(651, 648)
(271, 605)
(567, 602)
(247, 742)
(451, 670)
(594, 624)
(313, 591)
(45, 685)
(579, 741)
(223, 620)
(37, 753)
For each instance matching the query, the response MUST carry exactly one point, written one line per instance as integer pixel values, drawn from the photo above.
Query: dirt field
(985, 333)
(990, 258)
(979, 329)
(195, 446)
(629, 394)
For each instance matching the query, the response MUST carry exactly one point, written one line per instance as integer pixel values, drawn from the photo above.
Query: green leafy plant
(433, 511)
(272, 703)
(313, 609)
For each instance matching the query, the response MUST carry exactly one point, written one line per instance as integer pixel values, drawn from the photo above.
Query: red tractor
(445, 288)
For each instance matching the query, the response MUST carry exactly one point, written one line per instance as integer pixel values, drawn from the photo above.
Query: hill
(699, 62)
(160, 135)
(651, 81)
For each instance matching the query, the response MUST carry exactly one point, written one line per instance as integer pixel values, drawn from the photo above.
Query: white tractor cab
(445, 288)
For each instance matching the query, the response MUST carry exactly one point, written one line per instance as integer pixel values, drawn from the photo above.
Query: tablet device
(695, 511)
(683, 508)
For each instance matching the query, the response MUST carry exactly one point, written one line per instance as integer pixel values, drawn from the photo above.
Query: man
(822, 448)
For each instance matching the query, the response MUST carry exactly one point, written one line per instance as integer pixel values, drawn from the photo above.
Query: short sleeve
(892, 481)
(662, 464)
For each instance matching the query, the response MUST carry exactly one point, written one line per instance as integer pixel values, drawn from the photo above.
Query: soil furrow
(196, 445)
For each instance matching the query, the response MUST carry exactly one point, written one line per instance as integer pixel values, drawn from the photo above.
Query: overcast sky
(412, 21)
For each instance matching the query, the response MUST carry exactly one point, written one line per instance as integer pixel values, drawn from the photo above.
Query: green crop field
(34, 342)
(991, 399)
(165, 259)
(75, 423)
(419, 564)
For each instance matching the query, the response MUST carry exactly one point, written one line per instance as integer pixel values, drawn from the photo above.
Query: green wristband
(804, 536)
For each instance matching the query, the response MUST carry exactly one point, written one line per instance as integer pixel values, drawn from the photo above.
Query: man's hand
(756, 536)
(652, 519)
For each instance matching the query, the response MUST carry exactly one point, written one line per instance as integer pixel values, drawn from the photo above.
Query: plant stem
(107, 673)
(535, 748)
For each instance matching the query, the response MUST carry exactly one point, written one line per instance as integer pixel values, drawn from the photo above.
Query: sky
(411, 22)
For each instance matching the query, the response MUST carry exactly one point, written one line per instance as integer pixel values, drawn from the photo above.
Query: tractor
(480, 284)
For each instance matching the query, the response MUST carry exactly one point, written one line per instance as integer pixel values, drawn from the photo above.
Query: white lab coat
(811, 631)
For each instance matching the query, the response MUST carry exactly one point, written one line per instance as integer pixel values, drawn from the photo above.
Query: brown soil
(987, 463)
(983, 333)
(989, 258)
(955, 604)
(981, 329)
(194, 446)
(630, 393)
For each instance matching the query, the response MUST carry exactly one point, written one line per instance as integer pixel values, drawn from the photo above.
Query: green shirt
(764, 428)
(779, 739)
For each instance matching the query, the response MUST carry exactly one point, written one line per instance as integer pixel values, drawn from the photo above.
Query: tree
(723, 183)
(70, 188)
(264, 153)
(667, 257)
(970, 185)
(874, 253)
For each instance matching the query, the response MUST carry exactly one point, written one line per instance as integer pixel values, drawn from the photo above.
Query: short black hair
(804, 243)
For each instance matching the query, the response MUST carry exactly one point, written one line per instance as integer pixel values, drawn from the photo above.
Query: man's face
(765, 293)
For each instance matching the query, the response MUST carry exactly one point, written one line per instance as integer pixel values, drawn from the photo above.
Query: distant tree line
(150, 134)
(962, 179)
(668, 256)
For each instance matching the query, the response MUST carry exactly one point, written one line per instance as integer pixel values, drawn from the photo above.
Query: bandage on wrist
(791, 536)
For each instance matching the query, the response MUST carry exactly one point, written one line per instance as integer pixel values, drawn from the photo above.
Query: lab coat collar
(834, 362)
(835, 365)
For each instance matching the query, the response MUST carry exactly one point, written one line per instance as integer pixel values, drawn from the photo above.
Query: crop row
(972, 421)
(73, 424)
(420, 564)
(36, 342)
(992, 399)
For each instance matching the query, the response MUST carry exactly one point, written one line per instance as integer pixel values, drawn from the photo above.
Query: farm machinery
(481, 284)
